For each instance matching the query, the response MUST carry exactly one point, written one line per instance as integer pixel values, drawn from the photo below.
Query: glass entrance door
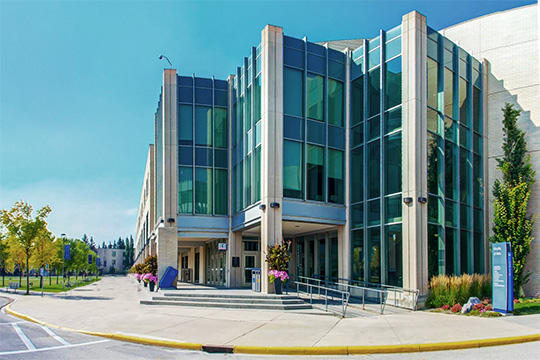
(251, 258)
(216, 264)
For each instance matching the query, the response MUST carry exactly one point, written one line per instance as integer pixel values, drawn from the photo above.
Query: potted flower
(277, 258)
(151, 280)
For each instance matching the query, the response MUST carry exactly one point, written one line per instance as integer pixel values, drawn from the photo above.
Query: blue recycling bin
(256, 280)
(168, 278)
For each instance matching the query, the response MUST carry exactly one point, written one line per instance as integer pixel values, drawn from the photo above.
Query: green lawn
(527, 307)
(52, 284)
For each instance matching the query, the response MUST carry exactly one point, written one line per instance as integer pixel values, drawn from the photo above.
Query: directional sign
(502, 277)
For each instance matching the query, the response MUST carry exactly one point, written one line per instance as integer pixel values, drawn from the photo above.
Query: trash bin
(256, 280)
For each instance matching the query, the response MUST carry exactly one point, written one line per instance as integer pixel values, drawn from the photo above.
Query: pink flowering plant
(149, 278)
(277, 257)
(276, 274)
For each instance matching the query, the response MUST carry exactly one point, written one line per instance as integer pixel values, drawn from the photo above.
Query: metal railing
(399, 297)
(327, 293)
(372, 295)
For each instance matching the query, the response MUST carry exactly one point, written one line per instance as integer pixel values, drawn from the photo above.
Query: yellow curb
(302, 350)
(382, 349)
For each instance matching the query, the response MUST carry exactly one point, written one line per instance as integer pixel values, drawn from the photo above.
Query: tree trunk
(27, 273)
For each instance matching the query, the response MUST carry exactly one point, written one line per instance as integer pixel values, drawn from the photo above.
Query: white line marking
(15, 322)
(56, 337)
(52, 348)
(23, 337)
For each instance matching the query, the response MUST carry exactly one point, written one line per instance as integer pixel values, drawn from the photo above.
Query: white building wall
(108, 256)
(509, 41)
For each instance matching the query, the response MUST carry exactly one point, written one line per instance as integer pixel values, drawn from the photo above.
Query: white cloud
(92, 207)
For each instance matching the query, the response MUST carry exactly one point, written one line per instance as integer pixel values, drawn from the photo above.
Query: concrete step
(286, 301)
(179, 294)
(299, 306)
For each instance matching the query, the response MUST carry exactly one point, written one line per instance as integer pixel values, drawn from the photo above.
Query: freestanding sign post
(502, 277)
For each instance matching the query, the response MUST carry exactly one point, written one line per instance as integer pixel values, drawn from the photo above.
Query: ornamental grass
(450, 290)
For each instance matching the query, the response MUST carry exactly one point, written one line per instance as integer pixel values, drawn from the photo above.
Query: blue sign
(98, 261)
(67, 253)
(502, 277)
(89, 259)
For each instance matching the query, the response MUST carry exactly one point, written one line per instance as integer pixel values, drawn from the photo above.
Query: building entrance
(216, 263)
(317, 255)
(251, 258)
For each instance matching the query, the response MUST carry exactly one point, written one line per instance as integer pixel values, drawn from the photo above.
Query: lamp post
(63, 260)
(161, 57)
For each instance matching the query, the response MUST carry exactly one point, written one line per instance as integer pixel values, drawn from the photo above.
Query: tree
(93, 245)
(121, 244)
(511, 196)
(3, 252)
(25, 229)
(44, 251)
(104, 245)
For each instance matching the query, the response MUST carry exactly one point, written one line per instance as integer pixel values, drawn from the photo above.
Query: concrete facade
(111, 258)
(144, 242)
(508, 40)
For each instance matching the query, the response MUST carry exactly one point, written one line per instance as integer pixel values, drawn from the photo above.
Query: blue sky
(79, 84)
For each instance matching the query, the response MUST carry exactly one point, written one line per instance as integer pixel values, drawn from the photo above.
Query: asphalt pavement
(110, 308)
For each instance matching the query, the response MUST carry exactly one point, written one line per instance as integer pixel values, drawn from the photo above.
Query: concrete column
(344, 246)
(167, 233)
(272, 141)
(202, 266)
(414, 146)
(167, 249)
(235, 249)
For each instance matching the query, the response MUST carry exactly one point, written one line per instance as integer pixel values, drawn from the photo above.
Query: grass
(52, 284)
(527, 307)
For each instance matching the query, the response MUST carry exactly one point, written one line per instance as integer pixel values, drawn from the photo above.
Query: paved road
(26, 340)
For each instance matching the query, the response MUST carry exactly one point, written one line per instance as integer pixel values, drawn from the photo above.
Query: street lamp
(161, 57)
(63, 260)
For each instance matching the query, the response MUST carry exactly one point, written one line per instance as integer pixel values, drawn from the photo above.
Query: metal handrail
(320, 289)
(382, 293)
(368, 285)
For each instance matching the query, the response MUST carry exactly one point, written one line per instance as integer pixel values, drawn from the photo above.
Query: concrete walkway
(112, 306)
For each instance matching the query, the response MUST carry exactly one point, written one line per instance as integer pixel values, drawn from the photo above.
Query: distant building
(112, 258)
(374, 157)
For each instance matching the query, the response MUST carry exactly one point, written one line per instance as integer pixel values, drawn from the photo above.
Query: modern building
(371, 156)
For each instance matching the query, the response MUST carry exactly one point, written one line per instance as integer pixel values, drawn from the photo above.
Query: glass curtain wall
(202, 146)
(375, 161)
(454, 123)
(246, 133)
(313, 122)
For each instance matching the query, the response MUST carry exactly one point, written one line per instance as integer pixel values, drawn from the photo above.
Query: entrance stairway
(228, 299)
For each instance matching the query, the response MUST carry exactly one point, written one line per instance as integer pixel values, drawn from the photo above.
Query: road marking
(23, 337)
(15, 322)
(56, 337)
(52, 348)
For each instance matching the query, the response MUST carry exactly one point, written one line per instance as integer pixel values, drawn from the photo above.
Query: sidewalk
(112, 306)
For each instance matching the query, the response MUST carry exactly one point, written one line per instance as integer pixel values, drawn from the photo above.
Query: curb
(298, 350)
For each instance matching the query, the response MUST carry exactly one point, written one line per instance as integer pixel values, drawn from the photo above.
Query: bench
(14, 286)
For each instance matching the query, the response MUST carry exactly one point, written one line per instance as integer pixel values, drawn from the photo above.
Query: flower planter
(145, 284)
(152, 286)
(278, 286)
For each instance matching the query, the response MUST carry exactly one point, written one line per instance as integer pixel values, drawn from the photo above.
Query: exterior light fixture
(161, 57)
(274, 205)
(422, 200)
(407, 200)
(170, 220)
(262, 207)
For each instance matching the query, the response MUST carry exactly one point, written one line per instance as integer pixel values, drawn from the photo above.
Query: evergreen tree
(110, 245)
(104, 245)
(121, 244)
(93, 245)
(512, 194)
(85, 239)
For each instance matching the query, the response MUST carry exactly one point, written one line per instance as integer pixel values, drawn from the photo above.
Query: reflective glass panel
(220, 158)
(292, 169)
(374, 96)
(315, 98)
(203, 191)
(293, 57)
(374, 255)
(185, 155)
(394, 255)
(203, 157)
(335, 102)
(392, 120)
(448, 93)
(336, 137)
(203, 125)
(221, 192)
(220, 127)
(336, 183)
(185, 190)
(433, 83)
(393, 209)
(293, 92)
(293, 127)
(316, 64)
(374, 58)
(357, 212)
(392, 49)
(374, 169)
(463, 102)
(393, 83)
(315, 173)
(374, 212)
(203, 96)
(357, 255)
(316, 132)
(357, 101)
(185, 125)
(357, 175)
(357, 135)
(392, 148)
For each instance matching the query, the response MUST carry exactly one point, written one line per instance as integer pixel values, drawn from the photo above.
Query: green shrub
(450, 290)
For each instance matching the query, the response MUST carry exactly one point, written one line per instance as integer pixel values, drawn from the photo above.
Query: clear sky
(80, 80)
